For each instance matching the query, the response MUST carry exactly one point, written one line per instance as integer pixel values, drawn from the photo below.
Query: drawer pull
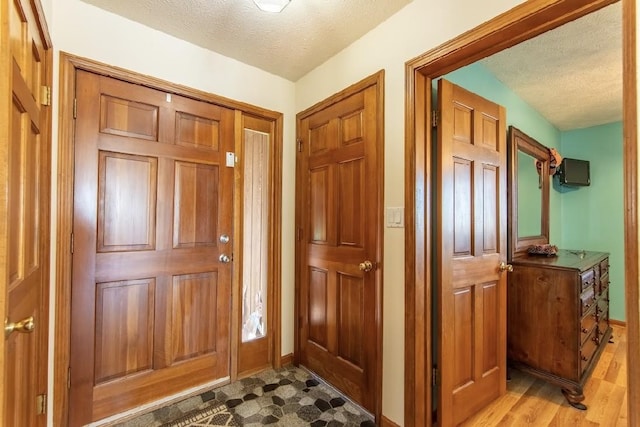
(585, 330)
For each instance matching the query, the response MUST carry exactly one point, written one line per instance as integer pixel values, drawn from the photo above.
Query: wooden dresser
(558, 317)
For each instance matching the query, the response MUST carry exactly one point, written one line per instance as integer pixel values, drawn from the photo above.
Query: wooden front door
(339, 241)
(471, 244)
(151, 290)
(25, 189)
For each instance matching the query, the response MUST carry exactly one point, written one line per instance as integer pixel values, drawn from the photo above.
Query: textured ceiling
(288, 44)
(571, 75)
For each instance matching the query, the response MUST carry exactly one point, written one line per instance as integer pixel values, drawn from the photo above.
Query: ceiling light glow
(273, 6)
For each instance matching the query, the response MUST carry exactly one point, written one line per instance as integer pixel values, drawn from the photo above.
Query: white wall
(420, 26)
(84, 30)
(47, 8)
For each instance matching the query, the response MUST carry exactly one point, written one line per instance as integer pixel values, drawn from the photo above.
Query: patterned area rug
(285, 397)
(218, 416)
(290, 397)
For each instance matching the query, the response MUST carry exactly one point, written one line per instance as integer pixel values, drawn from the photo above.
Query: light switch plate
(395, 217)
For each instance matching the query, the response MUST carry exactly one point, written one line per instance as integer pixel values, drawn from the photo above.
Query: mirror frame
(519, 141)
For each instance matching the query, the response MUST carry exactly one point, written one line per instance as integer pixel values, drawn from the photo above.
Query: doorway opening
(520, 23)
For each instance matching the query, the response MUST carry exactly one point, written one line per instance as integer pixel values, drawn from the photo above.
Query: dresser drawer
(604, 283)
(587, 279)
(587, 350)
(587, 324)
(602, 308)
(587, 300)
(602, 312)
(604, 267)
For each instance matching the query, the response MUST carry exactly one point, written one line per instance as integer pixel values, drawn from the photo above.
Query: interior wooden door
(339, 204)
(151, 268)
(471, 244)
(25, 200)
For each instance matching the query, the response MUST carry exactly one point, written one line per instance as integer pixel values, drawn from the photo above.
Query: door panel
(471, 164)
(24, 249)
(150, 298)
(351, 318)
(351, 193)
(194, 131)
(124, 326)
(126, 213)
(192, 317)
(124, 117)
(338, 211)
(195, 210)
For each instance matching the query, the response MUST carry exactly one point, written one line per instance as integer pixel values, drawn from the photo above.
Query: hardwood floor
(533, 402)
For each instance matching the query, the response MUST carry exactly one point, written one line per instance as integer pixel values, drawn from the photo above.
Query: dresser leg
(575, 397)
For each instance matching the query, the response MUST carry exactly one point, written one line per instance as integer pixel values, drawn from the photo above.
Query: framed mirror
(528, 203)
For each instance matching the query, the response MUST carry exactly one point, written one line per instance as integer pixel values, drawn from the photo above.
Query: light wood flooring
(533, 402)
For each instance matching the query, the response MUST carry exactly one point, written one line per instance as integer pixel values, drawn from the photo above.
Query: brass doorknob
(366, 265)
(24, 326)
(505, 267)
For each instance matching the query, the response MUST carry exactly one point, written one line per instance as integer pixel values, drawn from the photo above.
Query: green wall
(593, 216)
(476, 78)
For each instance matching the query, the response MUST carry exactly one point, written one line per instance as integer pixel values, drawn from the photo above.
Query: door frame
(376, 79)
(521, 23)
(69, 65)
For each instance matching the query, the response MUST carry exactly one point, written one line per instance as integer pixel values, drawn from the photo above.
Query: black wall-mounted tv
(574, 172)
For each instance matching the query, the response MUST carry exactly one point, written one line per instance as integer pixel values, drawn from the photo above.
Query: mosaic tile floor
(288, 397)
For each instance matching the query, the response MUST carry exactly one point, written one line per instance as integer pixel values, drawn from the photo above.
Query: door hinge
(299, 233)
(72, 242)
(41, 404)
(299, 140)
(435, 115)
(45, 95)
(69, 377)
(75, 108)
(434, 376)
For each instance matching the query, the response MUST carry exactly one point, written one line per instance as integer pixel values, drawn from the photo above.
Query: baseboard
(287, 359)
(386, 422)
(618, 322)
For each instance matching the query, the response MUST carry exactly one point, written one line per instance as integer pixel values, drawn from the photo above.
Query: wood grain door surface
(338, 164)
(471, 239)
(26, 266)
(150, 298)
